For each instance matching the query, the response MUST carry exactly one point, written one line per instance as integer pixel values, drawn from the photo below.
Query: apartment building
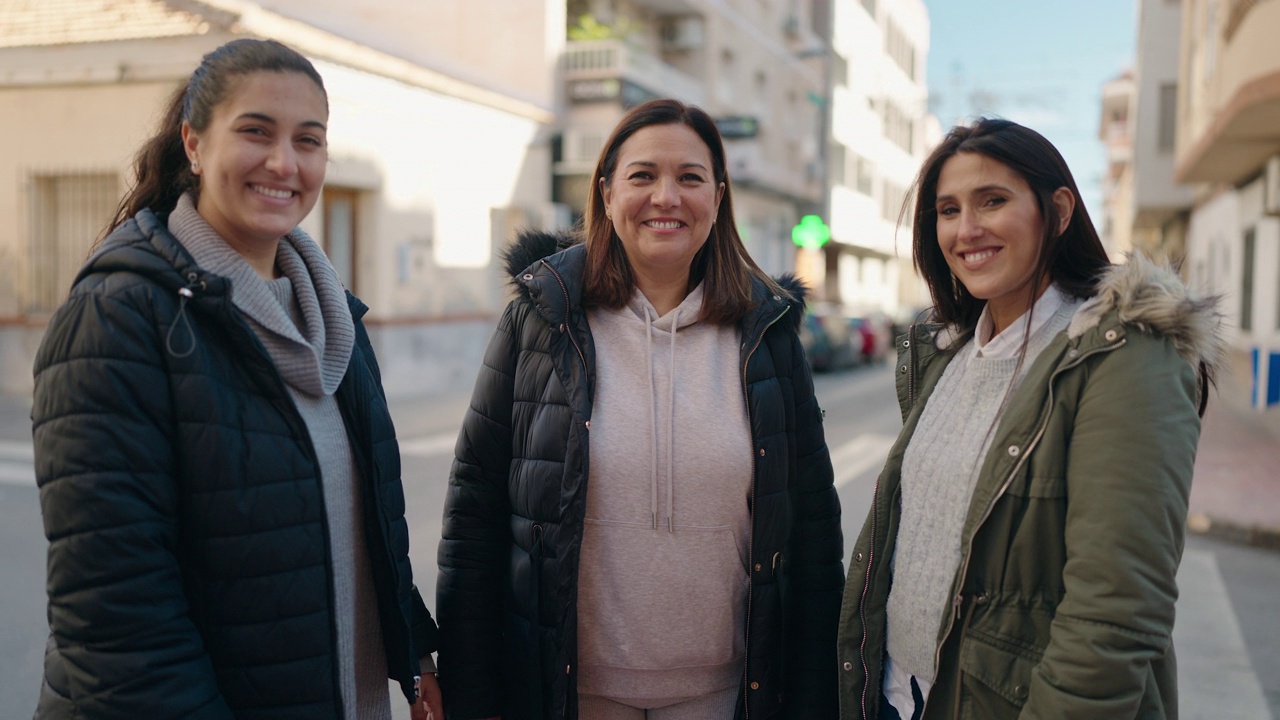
(439, 147)
(1115, 130)
(753, 65)
(881, 131)
(1228, 148)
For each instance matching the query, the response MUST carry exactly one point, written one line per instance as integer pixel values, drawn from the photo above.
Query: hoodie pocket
(649, 599)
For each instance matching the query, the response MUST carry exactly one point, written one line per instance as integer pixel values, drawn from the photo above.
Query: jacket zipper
(564, 325)
(564, 328)
(875, 517)
(1022, 459)
(751, 534)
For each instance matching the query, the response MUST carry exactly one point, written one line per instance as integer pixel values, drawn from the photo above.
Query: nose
(283, 160)
(665, 193)
(969, 227)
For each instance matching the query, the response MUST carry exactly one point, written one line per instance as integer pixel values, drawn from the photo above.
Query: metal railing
(617, 59)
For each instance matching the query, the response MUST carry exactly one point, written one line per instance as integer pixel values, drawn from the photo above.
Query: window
(340, 232)
(1246, 280)
(68, 214)
(1168, 116)
(838, 163)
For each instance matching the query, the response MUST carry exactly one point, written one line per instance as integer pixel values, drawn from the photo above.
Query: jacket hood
(533, 246)
(1153, 298)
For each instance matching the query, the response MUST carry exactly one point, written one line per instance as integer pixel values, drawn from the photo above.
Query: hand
(430, 705)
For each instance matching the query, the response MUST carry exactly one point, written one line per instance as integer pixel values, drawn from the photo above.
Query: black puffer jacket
(189, 565)
(507, 589)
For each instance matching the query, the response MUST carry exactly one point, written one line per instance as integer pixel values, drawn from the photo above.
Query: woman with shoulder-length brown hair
(641, 521)
(1019, 560)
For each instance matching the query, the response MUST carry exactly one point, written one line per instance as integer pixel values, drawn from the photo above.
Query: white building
(1115, 130)
(881, 131)
(1228, 146)
(430, 167)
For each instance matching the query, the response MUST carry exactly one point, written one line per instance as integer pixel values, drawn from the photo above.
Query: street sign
(811, 233)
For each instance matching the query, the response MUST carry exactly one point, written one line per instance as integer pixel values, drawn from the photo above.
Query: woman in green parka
(1020, 554)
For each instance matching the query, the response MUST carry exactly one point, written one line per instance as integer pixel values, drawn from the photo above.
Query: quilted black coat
(508, 559)
(188, 567)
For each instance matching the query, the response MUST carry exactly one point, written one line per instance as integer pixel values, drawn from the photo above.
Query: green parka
(1063, 603)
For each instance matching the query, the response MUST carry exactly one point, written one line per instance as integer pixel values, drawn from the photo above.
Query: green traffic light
(811, 232)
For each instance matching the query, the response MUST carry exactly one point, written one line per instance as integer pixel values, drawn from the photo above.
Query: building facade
(881, 131)
(430, 169)
(754, 66)
(1115, 130)
(1228, 151)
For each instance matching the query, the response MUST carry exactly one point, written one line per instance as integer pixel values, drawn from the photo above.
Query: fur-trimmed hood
(564, 252)
(1152, 298)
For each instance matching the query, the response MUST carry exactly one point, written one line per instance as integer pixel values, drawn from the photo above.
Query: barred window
(68, 214)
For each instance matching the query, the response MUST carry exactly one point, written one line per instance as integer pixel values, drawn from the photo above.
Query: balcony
(591, 65)
(1238, 127)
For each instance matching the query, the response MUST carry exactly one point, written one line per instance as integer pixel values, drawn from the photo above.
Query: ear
(606, 193)
(1065, 201)
(191, 144)
(719, 196)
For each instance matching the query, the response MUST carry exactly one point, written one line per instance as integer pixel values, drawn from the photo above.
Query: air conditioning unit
(1271, 186)
(682, 33)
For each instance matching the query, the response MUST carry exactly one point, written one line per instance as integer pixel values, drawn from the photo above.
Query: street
(1227, 638)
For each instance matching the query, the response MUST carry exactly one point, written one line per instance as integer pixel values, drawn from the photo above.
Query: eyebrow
(976, 191)
(651, 164)
(268, 119)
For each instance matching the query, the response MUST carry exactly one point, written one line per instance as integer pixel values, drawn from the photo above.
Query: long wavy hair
(1073, 260)
(162, 172)
(723, 262)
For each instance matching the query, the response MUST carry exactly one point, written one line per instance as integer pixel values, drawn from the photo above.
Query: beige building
(1228, 149)
(754, 66)
(430, 167)
(1115, 130)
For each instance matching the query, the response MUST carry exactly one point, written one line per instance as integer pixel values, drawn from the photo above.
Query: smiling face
(990, 230)
(662, 199)
(261, 160)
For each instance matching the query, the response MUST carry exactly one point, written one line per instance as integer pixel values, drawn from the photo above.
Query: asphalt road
(1227, 636)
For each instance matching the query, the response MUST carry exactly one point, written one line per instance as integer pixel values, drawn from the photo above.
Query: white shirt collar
(1008, 343)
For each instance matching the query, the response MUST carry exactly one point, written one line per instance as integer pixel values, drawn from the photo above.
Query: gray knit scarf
(311, 355)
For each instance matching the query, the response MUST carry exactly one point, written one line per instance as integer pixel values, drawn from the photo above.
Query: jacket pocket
(995, 678)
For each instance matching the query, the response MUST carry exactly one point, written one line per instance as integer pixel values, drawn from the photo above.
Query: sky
(1041, 63)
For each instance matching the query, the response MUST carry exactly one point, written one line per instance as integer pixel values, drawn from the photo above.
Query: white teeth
(979, 256)
(661, 225)
(280, 194)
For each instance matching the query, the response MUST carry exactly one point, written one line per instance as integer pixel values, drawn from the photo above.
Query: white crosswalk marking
(16, 458)
(863, 453)
(1218, 673)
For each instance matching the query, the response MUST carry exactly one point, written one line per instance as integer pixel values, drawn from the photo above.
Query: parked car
(816, 344)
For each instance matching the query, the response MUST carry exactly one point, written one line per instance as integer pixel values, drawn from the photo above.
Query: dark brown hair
(161, 169)
(723, 262)
(1073, 259)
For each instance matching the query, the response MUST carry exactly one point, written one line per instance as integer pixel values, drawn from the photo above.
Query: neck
(663, 293)
(1003, 314)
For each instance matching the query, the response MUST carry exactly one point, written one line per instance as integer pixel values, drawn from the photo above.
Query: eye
(312, 140)
(948, 211)
(254, 130)
(691, 178)
(996, 200)
(640, 175)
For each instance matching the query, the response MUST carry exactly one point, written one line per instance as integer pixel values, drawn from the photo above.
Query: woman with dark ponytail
(219, 475)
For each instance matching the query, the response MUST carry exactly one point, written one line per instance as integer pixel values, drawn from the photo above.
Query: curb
(1266, 538)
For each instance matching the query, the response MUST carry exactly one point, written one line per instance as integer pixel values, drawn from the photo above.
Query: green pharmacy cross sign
(811, 233)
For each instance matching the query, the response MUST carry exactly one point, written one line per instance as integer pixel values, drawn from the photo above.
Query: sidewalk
(1235, 494)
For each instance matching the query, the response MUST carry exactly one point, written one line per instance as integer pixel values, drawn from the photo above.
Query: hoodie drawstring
(671, 425)
(653, 420)
(184, 294)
